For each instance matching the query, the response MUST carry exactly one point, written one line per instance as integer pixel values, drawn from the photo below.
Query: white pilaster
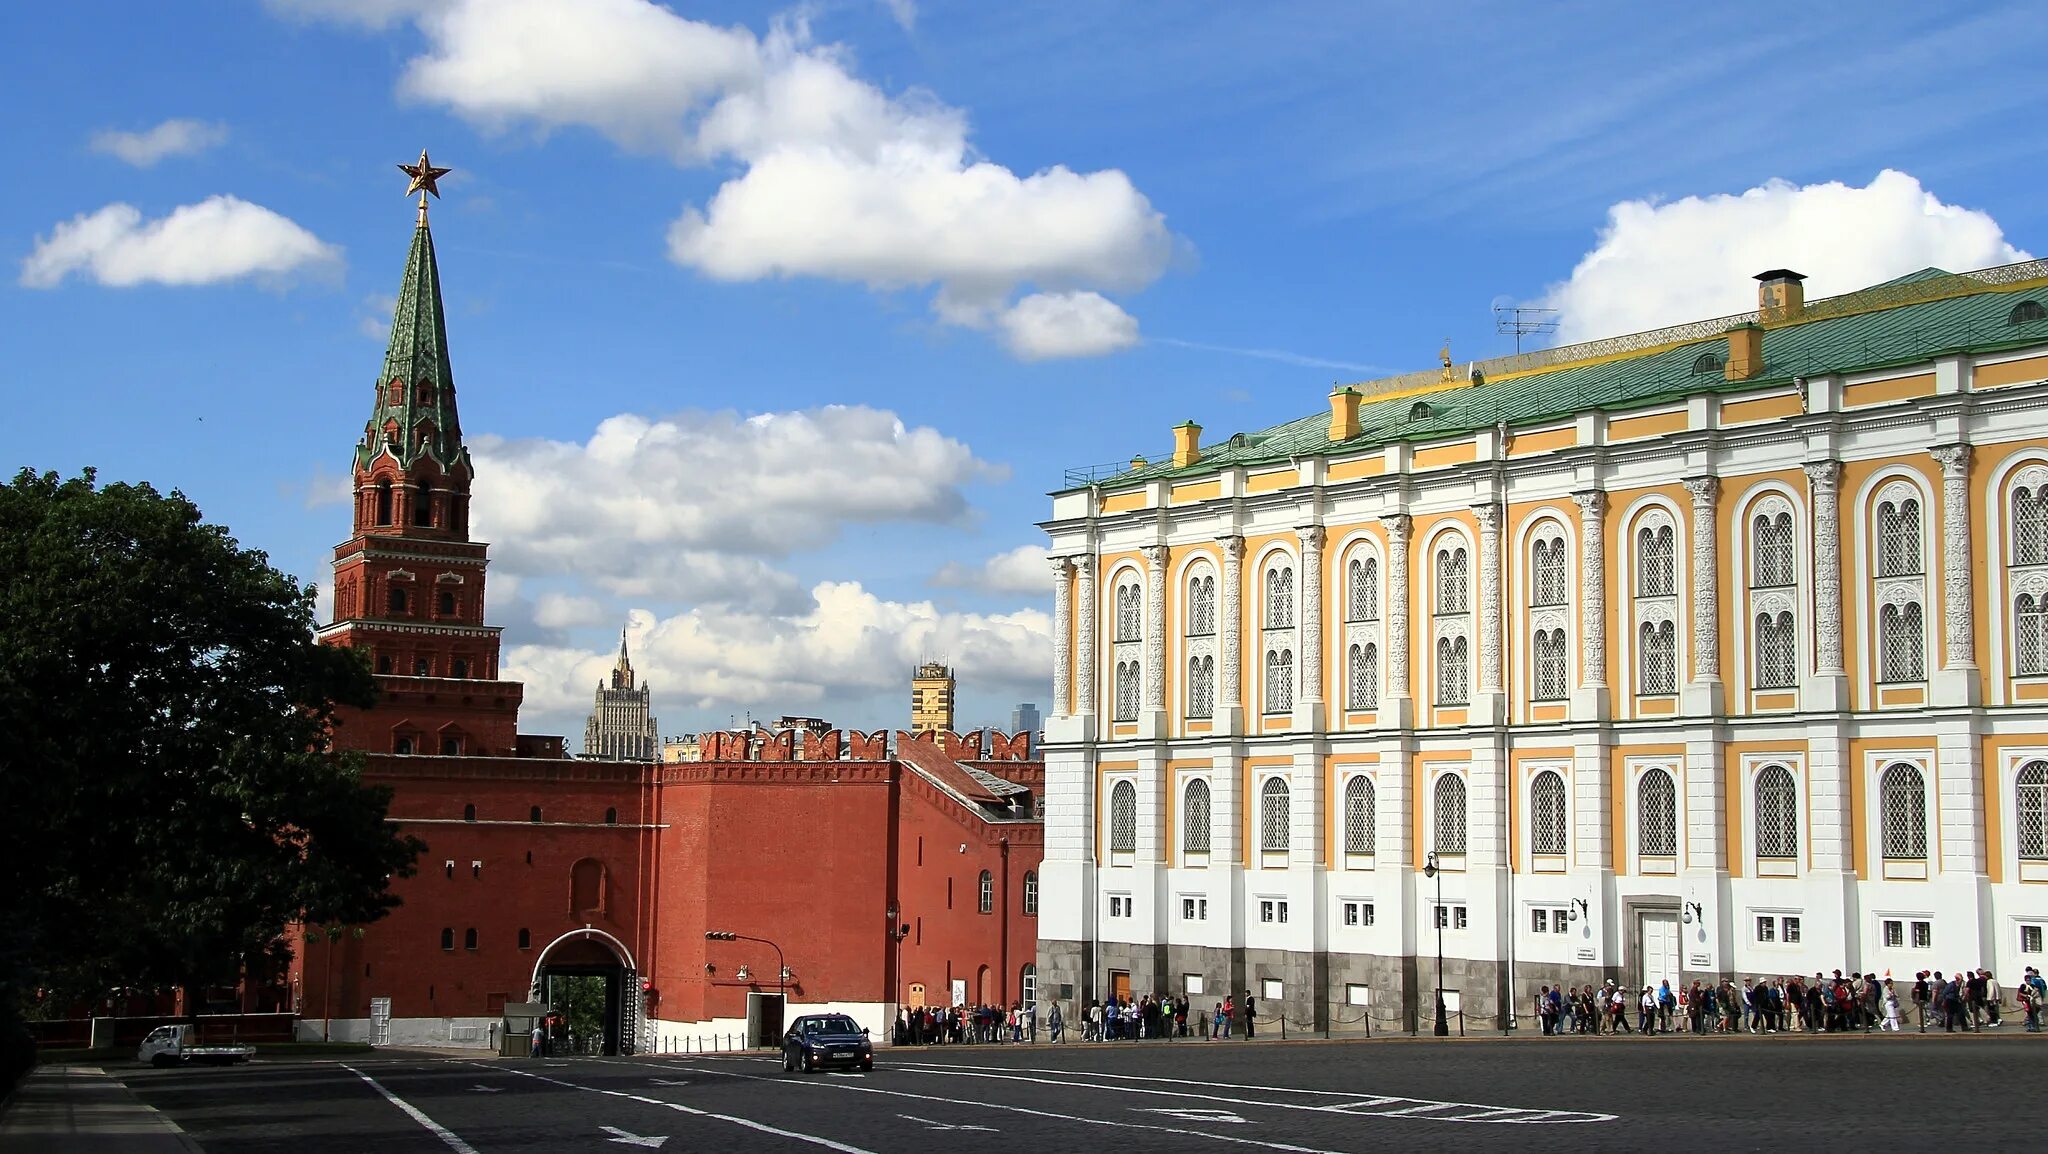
(1398, 710)
(1308, 708)
(1152, 721)
(1829, 688)
(1591, 702)
(1956, 682)
(1230, 624)
(1062, 634)
(1702, 694)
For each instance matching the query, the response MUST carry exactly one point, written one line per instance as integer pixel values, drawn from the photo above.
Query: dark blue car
(822, 1041)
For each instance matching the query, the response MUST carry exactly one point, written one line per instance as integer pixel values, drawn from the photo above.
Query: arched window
(2030, 810)
(1123, 818)
(1127, 685)
(1777, 814)
(1279, 680)
(1771, 566)
(422, 667)
(1904, 794)
(1546, 813)
(469, 813)
(1898, 538)
(1777, 651)
(1201, 686)
(1363, 689)
(383, 663)
(586, 885)
(988, 892)
(533, 815)
(402, 745)
(1362, 597)
(1273, 816)
(1450, 814)
(1360, 803)
(2030, 633)
(1548, 571)
(1656, 815)
(1194, 817)
(1280, 597)
(444, 603)
(394, 599)
(1030, 893)
(451, 745)
(1027, 985)
(1201, 605)
(1553, 665)
(2030, 524)
(611, 816)
(1902, 643)
(447, 938)
(1452, 592)
(383, 502)
(469, 938)
(423, 504)
(458, 668)
(1452, 667)
(1706, 364)
(2026, 313)
(1656, 560)
(1657, 660)
(1130, 612)
(525, 939)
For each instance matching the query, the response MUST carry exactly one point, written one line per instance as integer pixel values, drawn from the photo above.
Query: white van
(172, 1045)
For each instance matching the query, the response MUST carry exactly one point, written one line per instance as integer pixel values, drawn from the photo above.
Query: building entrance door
(1120, 985)
(1657, 936)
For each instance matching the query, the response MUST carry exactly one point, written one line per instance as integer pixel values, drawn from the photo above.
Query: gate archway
(590, 953)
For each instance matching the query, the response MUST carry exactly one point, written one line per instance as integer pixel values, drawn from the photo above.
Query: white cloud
(219, 239)
(686, 507)
(171, 138)
(372, 14)
(844, 643)
(903, 12)
(1666, 263)
(839, 180)
(375, 321)
(568, 611)
(1023, 570)
(1071, 324)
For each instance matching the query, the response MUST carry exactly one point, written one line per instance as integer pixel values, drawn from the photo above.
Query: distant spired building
(619, 728)
(931, 699)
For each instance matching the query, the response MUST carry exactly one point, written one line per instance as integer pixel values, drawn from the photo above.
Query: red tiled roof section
(945, 771)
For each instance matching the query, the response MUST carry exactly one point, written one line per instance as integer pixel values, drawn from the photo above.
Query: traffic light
(719, 935)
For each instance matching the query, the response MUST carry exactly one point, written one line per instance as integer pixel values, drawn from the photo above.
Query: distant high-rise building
(619, 728)
(1025, 719)
(931, 698)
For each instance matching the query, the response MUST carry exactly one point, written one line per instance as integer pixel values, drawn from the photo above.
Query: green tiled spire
(418, 418)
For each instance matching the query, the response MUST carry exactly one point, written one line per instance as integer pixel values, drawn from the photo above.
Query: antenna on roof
(1521, 321)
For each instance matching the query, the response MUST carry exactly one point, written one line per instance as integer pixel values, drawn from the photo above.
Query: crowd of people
(964, 1025)
(1964, 1000)
(1127, 1019)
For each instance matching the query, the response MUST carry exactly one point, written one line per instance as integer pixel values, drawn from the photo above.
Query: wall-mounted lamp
(1694, 913)
(743, 975)
(1578, 909)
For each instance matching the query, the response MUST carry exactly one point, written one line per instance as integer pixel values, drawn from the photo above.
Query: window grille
(1656, 815)
(1450, 814)
(1776, 652)
(988, 893)
(1773, 566)
(1902, 643)
(1777, 814)
(1280, 597)
(1453, 595)
(2030, 526)
(1905, 813)
(1123, 818)
(1194, 818)
(1546, 813)
(2030, 634)
(1030, 895)
(1364, 687)
(1127, 678)
(1656, 562)
(1201, 686)
(1451, 655)
(1657, 657)
(1273, 816)
(1279, 680)
(1553, 665)
(1363, 602)
(1130, 604)
(2030, 810)
(1898, 528)
(1202, 606)
(1360, 803)
(1550, 572)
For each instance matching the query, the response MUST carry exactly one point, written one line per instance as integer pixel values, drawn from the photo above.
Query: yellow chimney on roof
(1745, 352)
(1780, 295)
(1187, 444)
(1344, 413)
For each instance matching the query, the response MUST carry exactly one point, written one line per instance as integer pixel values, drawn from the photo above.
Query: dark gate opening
(584, 983)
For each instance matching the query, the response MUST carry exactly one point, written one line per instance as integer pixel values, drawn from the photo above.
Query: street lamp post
(897, 932)
(1430, 870)
(781, 971)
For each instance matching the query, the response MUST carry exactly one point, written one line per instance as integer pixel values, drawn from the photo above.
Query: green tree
(165, 772)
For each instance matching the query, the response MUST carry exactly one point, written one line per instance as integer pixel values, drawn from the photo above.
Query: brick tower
(409, 584)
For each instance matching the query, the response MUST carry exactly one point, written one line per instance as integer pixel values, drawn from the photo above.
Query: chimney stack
(1187, 444)
(1780, 295)
(1344, 414)
(1745, 351)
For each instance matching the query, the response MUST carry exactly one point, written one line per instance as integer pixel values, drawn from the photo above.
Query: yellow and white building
(1715, 650)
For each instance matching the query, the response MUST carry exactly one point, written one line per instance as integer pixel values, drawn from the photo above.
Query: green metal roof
(416, 355)
(1849, 341)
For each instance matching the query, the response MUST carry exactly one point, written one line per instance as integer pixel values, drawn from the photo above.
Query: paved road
(1862, 1094)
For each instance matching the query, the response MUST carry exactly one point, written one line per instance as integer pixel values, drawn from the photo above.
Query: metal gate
(630, 1012)
(380, 1021)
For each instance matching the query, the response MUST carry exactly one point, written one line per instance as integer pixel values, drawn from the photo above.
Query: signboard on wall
(959, 991)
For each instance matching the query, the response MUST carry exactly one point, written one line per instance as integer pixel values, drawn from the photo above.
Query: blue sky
(773, 327)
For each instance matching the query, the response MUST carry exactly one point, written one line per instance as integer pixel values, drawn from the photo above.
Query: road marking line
(931, 1125)
(433, 1127)
(749, 1123)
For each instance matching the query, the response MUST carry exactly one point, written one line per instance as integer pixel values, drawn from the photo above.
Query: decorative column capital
(1488, 515)
(1155, 556)
(1703, 490)
(1824, 476)
(1311, 537)
(1233, 547)
(1062, 567)
(1592, 503)
(1398, 525)
(1953, 459)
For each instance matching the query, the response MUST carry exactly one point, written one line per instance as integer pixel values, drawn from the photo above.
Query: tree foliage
(172, 799)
